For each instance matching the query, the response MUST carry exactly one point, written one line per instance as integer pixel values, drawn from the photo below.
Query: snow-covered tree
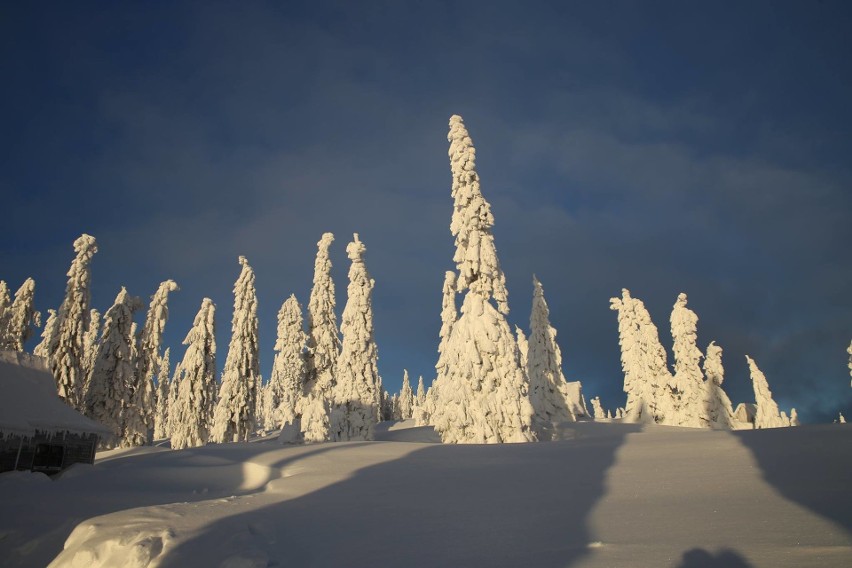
(720, 409)
(396, 409)
(849, 350)
(794, 418)
(5, 306)
(91, 343)
(233, 419)
(523, 347)
(841, 419)
(161, 406)
(72, 321)
(265, 415)
(191, 414)
(19, 318)
(108, 399)
(597, 410)
(43, 348)
(357, 392)
(420, 398)
(690, 404)
(289, 370)
(149, 356)
(768, 415)
(482, 391)
(548, 392)
(406, 397)
(323, 347)
(172, 404)
(647, 380)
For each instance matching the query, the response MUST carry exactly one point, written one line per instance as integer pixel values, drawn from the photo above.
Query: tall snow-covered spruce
(163, 397)
(233, 419)
(108, 399)
(720, 409)
(146, 364)
(406, 397)
(483, 394)
(768, 415)
(691, 408)
(323, 347)
(43, 348)
(357, 392)
(191, 413)
(72, 321)
(19, 318)
(289, 370)
(548, 388)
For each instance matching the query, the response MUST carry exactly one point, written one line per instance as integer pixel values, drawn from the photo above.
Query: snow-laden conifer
(720, 409)
(191, 414)
(647, 380)
(72, 321)
(690, 405)
(523, 347)
(420, 398)
(108, 399)
(233, 418)
(5, 306)
(597, 410)
(849, 350)
(794, 418)
(840, 418)
(172, 404)
(406, 397)
(19, 318)
(357, 392)
(149, 356)
(91, 343)
(482, 394)
(768, 415)
(289, 370)
(476, 255)
(43, 348)
(161, 406)
(548, 389)
(449, 315)
(323, 347)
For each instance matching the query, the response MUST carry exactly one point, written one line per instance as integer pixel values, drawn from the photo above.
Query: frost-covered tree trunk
(191, 415)
(72, 321)
(108, 399)
(548, 389)
(161, 406)
(43, 348)
(233, 418)
(691, 406)
(721, 411)
(148, 358)
(357, 392)
(289, 370)
(20, 318)
(323, 347)
(768, 415)
(482, 390)
(647, 380)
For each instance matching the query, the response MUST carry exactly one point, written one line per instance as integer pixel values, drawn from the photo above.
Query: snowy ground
(608, 495)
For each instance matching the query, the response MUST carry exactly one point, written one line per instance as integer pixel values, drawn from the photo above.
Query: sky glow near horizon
(658, 147)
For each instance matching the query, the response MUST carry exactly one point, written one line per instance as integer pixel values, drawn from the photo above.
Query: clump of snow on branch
(233, 418)
(357, 392)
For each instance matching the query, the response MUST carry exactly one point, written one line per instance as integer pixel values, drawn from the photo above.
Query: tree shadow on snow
(700, 558)
(440, 505)
(808, 465)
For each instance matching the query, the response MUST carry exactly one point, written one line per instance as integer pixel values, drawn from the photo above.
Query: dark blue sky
(657, 146)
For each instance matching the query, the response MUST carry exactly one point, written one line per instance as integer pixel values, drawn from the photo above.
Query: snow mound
(405, 431)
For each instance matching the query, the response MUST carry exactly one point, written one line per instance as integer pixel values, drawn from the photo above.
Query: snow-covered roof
(28, 399)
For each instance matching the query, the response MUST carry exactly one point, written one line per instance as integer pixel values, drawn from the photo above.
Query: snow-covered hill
(606, 495)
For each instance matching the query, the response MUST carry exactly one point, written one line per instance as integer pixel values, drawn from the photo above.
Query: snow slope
(607, 494)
